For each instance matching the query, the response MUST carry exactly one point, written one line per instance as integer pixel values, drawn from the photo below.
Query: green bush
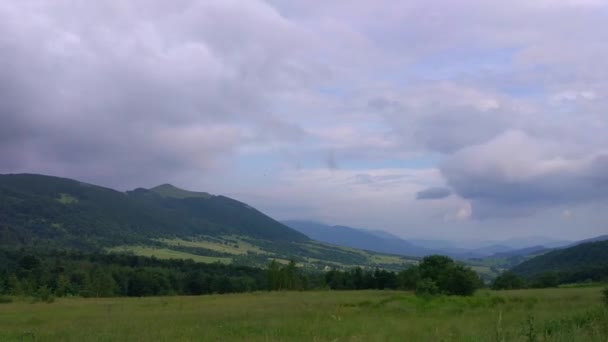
(605, 296)
(426, 287)
(44, 294)
(508, 281)
(5, 299)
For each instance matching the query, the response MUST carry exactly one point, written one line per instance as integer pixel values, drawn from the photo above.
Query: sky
(443, 119)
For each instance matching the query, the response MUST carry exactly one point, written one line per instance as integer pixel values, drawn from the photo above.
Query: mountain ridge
(357, 238)
(54, 213)
(36, 204)
(575, 259)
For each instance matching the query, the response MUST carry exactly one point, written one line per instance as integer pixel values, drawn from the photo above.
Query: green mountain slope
(35, 208)
(589, 257)
(170, 191)
(165, 222)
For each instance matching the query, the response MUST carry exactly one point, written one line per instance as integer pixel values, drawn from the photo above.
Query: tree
(460, 281)
(508, 281)
(290, 276)
(449, 277)
(426, 287)
(274, 276)
(101, 283)
(434, 266)
(548, 279)
(14, 286)
(409, 278)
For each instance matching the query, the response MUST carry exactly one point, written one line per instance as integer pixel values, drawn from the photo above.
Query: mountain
(170, 191)
(520, 252)
(579, 258)
(593, 239)
(37, 208)
(358, 238)
(38, 211)
(485, 246)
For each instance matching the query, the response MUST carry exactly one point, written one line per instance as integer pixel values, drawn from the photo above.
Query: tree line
(509, 280)
(72, 273)
(105, 275)
(433, 275)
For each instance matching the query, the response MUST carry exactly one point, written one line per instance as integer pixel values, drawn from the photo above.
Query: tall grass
(522, 315)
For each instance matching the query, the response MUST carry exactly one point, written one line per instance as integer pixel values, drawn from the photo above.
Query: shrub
(426, 287)
(605, 296)
(44, 294)
(508, 281)
(5, 299)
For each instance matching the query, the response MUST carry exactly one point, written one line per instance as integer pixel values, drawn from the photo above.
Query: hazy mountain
(514, 243)
(358, 238)
(593, 239)
(521, 252)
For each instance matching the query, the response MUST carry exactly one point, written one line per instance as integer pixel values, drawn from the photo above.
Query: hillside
(35, 208)
(358, 238)
(586, 257)
(170, 191)
(522, 252)
(165, 222)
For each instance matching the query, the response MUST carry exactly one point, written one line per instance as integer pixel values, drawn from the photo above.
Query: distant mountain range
(380, 241)
(377, 241)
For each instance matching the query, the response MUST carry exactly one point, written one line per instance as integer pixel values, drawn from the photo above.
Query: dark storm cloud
(516, 175)
(433, 193)
(125, 92)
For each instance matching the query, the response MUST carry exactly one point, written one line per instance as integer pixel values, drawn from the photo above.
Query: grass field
(565, 314)
(165, 253)
(258, 253)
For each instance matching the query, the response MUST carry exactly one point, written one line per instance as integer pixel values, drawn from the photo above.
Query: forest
(49, 274)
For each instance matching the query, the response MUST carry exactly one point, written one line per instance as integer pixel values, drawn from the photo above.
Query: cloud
(107, 91)
(506, 102)
(515, 174)
(433, 193)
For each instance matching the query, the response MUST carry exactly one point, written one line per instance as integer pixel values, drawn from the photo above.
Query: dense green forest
(61, 273)
(57, 212)
(587, 261)
(583, 263)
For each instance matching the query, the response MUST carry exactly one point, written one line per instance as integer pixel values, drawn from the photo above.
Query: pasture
(564, 314)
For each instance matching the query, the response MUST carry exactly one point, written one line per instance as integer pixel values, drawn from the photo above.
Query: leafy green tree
(426, 287)
(549, 279)
(14, 286)
(290, 276)
(357, 277)
(63, 286)
(274, 275)
(409, 278)
(508, 281)
(434, 266)
(449, 277)
(460, 281)
(100, 284)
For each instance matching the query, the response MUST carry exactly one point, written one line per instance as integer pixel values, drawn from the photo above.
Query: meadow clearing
(564, 314)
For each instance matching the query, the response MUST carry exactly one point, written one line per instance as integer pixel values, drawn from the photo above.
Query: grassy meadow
(232, 249)
(564, 314)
